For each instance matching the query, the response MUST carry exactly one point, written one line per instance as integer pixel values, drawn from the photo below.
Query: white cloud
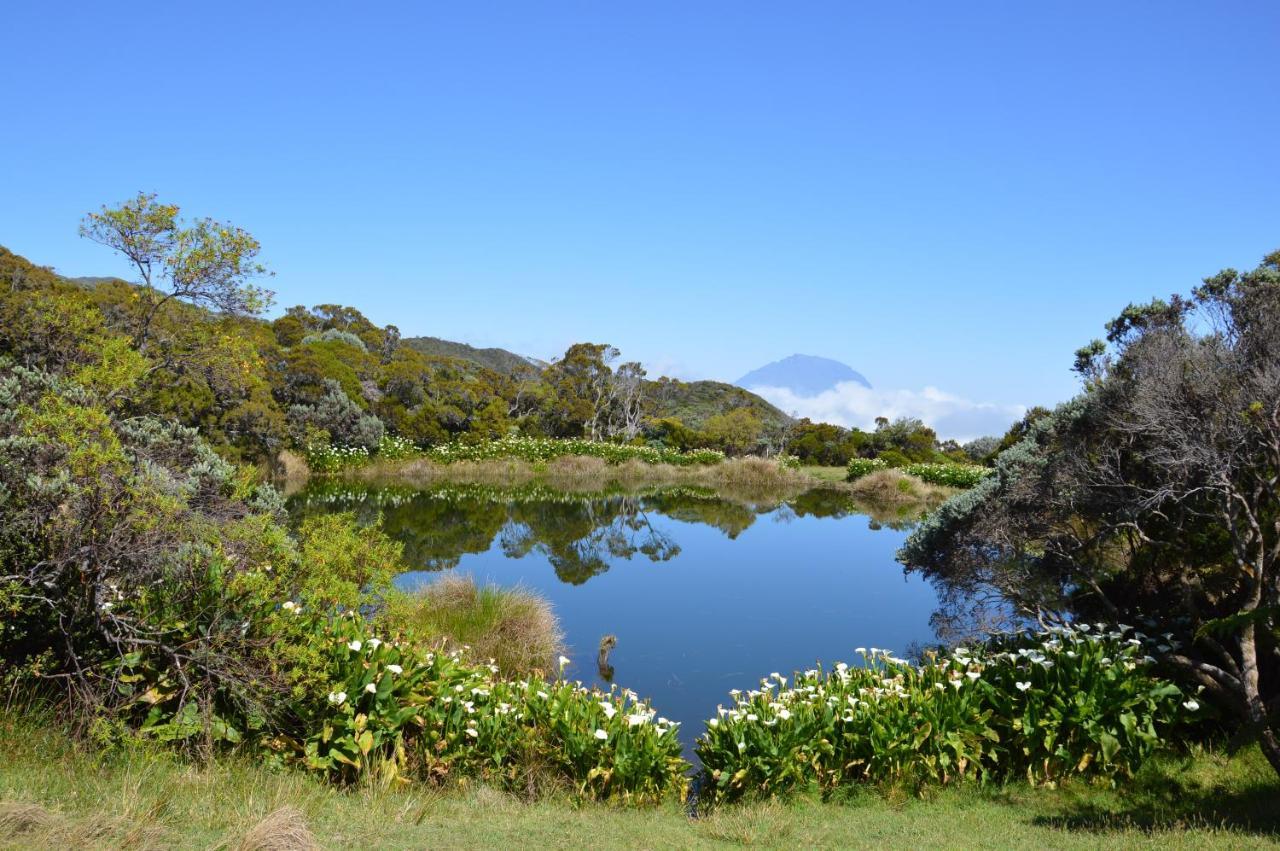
(849, 404)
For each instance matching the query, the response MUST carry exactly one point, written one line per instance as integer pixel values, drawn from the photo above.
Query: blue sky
(941, 195)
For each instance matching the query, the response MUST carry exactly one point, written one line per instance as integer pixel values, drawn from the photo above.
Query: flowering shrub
(789, 462)
(951, 475)
(405, 712)
(329, 459)
(537, 449)
(859, 467)
(396, 448)
(323, 458)
(1047, 705)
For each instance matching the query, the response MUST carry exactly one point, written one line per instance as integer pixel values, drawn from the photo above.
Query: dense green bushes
(150, 590)
(946, 474)
(951, 475)
(544, 449)
(1044, 706)
(532, 449)
(395, 709)
(860, 467)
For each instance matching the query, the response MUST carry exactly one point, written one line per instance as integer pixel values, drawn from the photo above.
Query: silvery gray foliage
(332, 334)
(345, 421)
(979, 448)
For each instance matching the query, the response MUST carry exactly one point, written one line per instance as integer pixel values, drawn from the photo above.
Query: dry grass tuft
(19, 818)
(284, 829)
(513, 626)
(748, 824)
(896, 488)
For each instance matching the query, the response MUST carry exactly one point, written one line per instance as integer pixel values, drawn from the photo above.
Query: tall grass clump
(1068, 701)
(514, 627)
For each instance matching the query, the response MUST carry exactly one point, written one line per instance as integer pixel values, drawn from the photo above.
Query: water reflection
(701, 591)
(579, 535)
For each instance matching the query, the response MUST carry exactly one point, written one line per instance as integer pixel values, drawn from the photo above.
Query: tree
(627, 401)
(582, 382)
(736, 431)
(1155, 493)
(207, 263)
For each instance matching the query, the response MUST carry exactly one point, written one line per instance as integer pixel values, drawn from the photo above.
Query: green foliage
(543, 449)
(695, 402)
(343, 564)
(824, 444)
(397, 711)
(859, 467)
(950, 475)
(334, 335)
(894, 458)
(207, 262)
(736, 432)
(1045, 706)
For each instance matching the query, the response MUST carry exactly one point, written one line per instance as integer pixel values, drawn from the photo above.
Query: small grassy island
(186, 664)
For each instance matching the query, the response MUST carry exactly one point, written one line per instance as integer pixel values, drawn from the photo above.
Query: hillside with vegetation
(327, 376)
(498, 360)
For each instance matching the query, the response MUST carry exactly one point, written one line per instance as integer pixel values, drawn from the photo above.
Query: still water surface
(703, 593)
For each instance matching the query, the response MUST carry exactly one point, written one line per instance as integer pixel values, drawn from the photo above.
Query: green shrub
(789, 462)
(537, 449)
(894, 458)
(323, 458)
(397, 448)
(950, 475)
(1057, 703)
(396, 710)
(859, 467)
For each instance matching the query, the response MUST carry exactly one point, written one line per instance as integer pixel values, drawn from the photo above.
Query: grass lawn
(54, 796)
(827, 474)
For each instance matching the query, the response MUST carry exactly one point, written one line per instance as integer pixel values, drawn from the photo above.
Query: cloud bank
(849, 404)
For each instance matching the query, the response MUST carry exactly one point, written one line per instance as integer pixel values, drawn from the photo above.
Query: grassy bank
(745, 476)
(52, 795)
(889, 493)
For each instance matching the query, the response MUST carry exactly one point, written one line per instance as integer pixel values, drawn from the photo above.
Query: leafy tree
(1153, 494)
(825, 444)
(906, 435)
(981, 449)
(581, 382)
(207, 263)
(736, 432)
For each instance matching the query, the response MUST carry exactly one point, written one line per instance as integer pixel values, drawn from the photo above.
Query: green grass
(826, 474)
(52, 795)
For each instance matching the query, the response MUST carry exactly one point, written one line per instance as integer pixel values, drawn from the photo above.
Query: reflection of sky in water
(716, 607)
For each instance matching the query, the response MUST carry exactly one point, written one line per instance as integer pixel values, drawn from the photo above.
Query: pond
(704, 593)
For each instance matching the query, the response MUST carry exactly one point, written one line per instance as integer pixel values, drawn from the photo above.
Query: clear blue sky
(947, 194)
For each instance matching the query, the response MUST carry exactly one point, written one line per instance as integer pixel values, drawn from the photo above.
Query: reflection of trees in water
(969, 611)
(732, 518)
(580, 538)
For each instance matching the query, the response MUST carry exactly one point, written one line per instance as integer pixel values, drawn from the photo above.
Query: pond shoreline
(746, 479)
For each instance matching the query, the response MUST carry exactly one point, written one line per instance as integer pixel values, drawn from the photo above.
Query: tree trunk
(1255, 706)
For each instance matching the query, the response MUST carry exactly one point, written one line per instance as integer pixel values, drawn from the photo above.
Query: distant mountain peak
(803, 375)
